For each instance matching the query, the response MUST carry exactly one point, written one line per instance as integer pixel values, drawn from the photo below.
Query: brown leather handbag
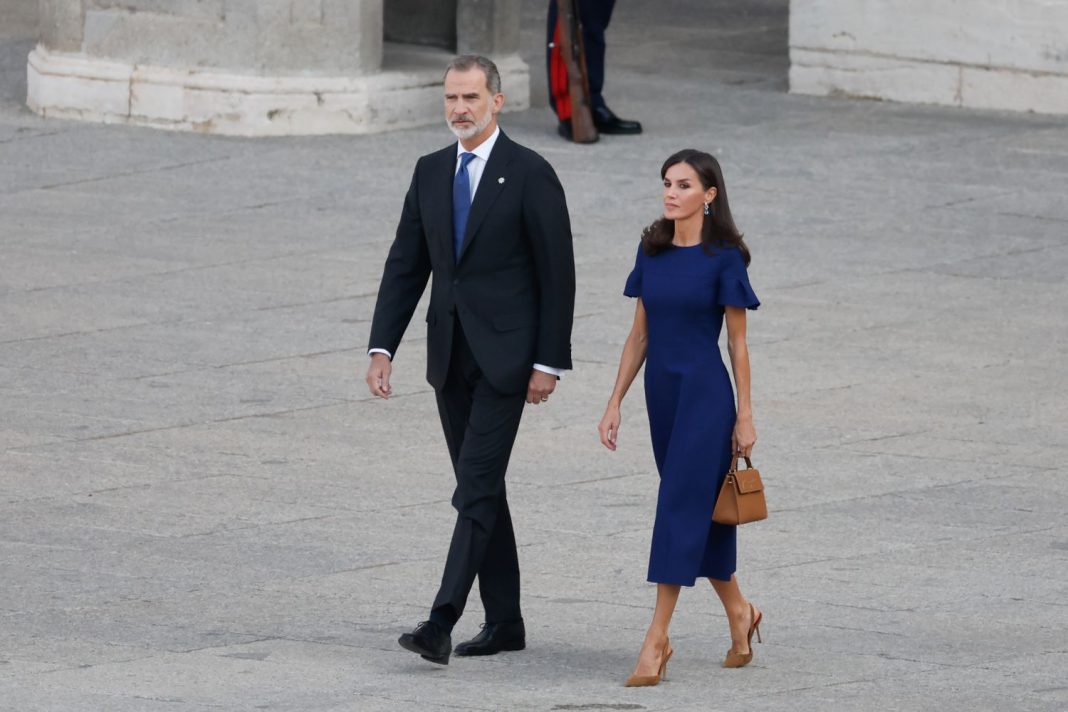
(741, 498)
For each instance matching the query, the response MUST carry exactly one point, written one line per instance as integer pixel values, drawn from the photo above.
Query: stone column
(987, 54)
(241, 67)
(491, 28)
(486, 27)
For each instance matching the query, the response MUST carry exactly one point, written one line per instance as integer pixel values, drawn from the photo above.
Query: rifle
(572, 91)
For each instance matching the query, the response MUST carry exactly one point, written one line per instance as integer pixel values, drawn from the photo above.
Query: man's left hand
(539, 387)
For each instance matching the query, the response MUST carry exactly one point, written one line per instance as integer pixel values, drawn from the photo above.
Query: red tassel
(558, 78)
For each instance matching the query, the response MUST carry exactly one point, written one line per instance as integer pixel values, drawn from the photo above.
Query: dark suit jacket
(513, 288)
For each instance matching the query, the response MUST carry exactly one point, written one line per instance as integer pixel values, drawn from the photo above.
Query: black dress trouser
(480, 426)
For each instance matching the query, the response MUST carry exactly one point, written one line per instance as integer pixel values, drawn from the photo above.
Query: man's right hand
(378, 376)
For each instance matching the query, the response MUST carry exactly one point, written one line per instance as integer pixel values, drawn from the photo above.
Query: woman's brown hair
(718, 228)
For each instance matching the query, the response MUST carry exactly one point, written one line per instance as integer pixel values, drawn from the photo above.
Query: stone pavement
(202, 509)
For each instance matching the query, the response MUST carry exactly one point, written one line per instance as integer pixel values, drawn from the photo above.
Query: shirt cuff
(558, 372)
(380, 351)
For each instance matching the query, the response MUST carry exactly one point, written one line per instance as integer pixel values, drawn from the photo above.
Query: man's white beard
(475, 130)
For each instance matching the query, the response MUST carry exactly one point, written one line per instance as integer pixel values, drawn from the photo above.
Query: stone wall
(996, 54)
(261, 67)
(254, 36)
(18, 19)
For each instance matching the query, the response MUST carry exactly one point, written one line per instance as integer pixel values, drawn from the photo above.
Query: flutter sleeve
(734, 288)
(633, 287)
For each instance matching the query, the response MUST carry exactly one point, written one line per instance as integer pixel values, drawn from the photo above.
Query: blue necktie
(461, 203)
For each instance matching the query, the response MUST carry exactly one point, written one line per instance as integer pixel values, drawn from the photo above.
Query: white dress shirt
(478, 163)
(474, 174)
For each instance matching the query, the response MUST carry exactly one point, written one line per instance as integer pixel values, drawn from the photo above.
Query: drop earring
(708, 209)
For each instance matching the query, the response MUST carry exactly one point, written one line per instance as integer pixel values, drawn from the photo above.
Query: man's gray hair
(469, 61)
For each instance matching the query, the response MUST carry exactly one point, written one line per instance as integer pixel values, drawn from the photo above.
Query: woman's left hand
(609, 427)
(744, 437)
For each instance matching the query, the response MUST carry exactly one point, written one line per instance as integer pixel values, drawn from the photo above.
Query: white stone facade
(252, 67)
(73, 86)
(990, 54)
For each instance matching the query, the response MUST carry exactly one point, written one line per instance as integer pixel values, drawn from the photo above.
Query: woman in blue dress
(689, 276)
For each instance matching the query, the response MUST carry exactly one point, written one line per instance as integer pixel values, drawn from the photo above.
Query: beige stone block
(157, 100)
(206, 9)
(1021, 34)
(306, 12)
(160, 40)
(861, 76)
(1020, 91)
(61, 24)
(487, 26)
(73, 86)
(839, 73)
(18, 19)
(251, 105)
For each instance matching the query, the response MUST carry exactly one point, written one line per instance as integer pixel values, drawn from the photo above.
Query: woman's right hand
(609, 427)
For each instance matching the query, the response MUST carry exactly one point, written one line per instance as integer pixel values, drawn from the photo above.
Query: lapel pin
(501, 179)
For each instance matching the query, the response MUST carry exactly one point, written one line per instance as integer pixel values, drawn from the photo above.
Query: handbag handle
(734, 463)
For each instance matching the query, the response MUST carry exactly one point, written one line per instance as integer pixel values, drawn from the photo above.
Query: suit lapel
(439, 224)
(489, 187)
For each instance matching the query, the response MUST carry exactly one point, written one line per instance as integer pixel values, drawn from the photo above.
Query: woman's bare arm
(744, 433)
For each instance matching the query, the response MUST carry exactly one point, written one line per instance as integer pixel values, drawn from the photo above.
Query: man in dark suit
(487, 217)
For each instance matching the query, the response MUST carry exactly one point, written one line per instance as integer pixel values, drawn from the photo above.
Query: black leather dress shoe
(608, 123)
(495, 637)
(430, 641)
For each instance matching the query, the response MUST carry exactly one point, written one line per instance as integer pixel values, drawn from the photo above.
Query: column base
(406, 93)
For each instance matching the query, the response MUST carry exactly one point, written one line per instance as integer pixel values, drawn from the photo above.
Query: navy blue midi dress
(690, 400)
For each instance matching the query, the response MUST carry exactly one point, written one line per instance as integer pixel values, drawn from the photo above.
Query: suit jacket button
(456, 281)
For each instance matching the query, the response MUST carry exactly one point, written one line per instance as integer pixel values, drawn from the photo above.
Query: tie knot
(466, 158)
